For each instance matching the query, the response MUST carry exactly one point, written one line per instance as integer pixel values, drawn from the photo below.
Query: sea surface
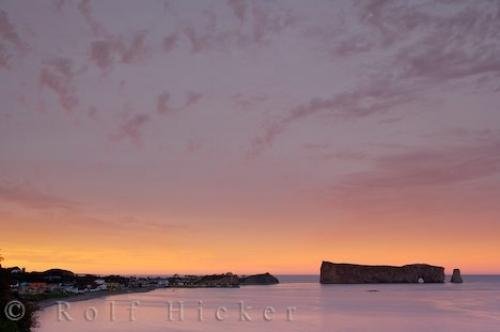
(299, 303)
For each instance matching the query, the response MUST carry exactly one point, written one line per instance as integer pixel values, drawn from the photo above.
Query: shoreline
(43, 304)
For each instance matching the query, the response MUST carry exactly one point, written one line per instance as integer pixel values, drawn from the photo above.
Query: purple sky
(370, 121)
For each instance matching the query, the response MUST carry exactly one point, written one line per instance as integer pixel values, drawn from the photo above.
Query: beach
(90, 296)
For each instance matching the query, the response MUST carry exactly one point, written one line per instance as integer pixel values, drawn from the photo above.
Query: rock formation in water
(456, 278)
(334, 273)
(259, 279)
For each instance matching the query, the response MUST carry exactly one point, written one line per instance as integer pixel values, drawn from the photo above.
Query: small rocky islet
(259, 279)
(456, 277)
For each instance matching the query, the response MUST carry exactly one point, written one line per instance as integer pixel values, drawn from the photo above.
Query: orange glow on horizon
(225, 249)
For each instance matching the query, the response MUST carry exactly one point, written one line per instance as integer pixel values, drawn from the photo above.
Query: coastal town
(55, 283)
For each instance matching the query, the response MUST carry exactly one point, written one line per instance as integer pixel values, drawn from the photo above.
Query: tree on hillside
(7, 325)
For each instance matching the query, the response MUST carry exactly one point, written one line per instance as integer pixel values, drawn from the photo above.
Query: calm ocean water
(299, 303)
(287, 278)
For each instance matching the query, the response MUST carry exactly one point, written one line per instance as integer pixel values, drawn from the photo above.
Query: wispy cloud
(267, 23)
(430, 167)
(470, 34)
(9, 33)
(170, 42)
(58, 75)
(132, 128)
(404, 180)
(85, 9)
(59, 4)
(376, 97)
(192, 98)
(4, 57)
(135, 224)
(198, 41)
(205, 38)
(410, 37)
(162, 103)
(324, 153)
(93, 113)
(104, 53)
(137, 50)
(244, 101)
(239, 8)
(27, 196)
(193, 146)
(259, 24)
(11, 43)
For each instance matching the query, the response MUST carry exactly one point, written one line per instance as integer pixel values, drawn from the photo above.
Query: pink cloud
(376, 97)
(436, 63)
(59, 4)
(267, 139)
(392, 21)
(192, 98)
(406, 180)
(247, 102)
(419, 64)
(269, 22)
(469, 34)
(417, 32)
(202, 34)
(239, 8)
(58, 76)
(205, 33)
(352, 46)
(431, 167)
(132, 128)
(170, 42)
(85, 9)
(4, 57)
(93, 113)
(193, 146)
(136, 51)
(104, 53)
(27, 196)
(9, 38)
(162, 103)
(324, 153)
(198, 41)
(8, 32)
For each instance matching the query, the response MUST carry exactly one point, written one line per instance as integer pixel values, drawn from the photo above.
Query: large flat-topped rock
(335, 273)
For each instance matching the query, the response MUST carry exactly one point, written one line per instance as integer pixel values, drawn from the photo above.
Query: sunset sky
(249, 136)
